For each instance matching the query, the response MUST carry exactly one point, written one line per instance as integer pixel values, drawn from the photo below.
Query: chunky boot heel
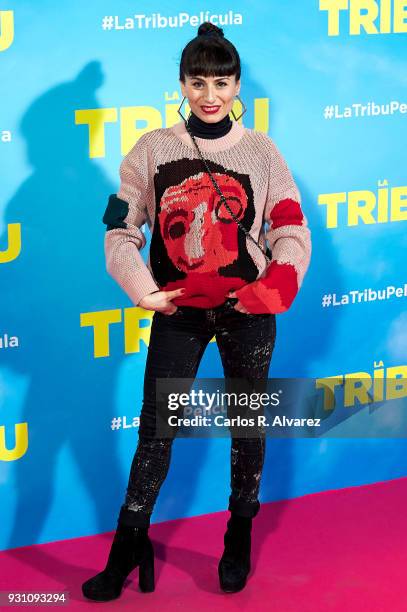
(146, 578)
(131, 547)
(234, 565)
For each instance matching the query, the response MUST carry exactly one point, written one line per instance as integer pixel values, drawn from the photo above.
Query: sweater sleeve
(289, 238)
(125, 214)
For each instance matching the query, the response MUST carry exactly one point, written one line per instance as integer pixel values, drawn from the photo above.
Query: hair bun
(209, 29)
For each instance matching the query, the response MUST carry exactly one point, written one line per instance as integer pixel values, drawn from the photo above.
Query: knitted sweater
(194, 242)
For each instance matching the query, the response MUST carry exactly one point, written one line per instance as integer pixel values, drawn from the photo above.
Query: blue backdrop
(79, 85)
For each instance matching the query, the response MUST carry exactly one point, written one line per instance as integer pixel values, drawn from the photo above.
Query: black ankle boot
(131, 547)
(234, 565)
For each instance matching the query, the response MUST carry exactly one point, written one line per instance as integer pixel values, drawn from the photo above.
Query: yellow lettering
(382, 202)
(333, 7)
(400, 16)
(20, 446)
(100, 321)
(398, 204)
(385, 17)
(133, 333)
(331, 200)
(357, 19)
(14, 243)
(96, 119)
(6, 29)
(328, 385)
(356, 386)
(364, 211)
(378, 383)
(396, 382)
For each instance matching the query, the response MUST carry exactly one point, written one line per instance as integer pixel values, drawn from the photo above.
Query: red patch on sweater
(262, 296)
(198, 230)
(286, 212)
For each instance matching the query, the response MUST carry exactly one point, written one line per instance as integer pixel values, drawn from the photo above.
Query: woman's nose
(210, 96)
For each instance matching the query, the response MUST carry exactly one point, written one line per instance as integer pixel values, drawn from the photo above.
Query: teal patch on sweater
(115, 213)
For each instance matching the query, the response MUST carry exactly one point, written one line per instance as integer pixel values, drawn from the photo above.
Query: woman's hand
(238, 306)
(161, 301)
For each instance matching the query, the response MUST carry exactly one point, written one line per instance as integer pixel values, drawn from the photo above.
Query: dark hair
(209, 54)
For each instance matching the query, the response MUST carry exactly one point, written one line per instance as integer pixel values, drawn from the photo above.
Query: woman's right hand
(161, 301)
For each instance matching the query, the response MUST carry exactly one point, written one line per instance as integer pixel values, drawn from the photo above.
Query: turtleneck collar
(204, 129)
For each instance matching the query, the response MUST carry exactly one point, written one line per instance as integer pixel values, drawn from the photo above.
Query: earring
(244, 109)
(179, 110)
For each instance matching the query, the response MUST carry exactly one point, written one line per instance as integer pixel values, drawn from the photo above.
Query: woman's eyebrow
(216, 79)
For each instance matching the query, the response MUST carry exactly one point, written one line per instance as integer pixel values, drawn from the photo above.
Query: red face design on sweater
(198, 230)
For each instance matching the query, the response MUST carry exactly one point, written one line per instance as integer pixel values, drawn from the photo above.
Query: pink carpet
(335, 550)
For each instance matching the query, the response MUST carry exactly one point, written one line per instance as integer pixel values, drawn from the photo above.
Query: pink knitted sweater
(194, 242)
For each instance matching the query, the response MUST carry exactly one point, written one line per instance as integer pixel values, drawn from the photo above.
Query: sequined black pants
(177, 343)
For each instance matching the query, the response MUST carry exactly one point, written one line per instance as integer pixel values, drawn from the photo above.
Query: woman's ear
(237, 88)
(183, 89)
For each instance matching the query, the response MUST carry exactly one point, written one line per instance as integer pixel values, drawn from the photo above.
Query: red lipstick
(210, 110)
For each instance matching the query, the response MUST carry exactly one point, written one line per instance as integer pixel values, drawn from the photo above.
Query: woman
(207, 274)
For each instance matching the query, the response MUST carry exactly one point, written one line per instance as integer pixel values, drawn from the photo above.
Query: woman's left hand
(238, 306)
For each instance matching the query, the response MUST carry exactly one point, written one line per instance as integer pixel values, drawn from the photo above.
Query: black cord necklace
(223, 198)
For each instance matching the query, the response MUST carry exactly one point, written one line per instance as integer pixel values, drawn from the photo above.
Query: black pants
(177, 343)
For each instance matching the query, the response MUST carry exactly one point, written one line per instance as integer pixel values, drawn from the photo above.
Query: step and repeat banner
(80, 84)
